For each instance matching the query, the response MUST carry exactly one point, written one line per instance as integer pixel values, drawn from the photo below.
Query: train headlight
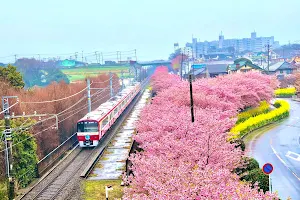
(87, 137)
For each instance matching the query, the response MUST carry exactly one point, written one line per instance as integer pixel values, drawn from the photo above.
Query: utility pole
(191, 96)
(283, 53)
(181, 65)
(89, 94)
(120, 55)
(76, 55)
(268, 46)
(82, 56)
(111, 85)
(122, 80)
(102, 58)
(15, 57)
(96, 56)
(135, 55)
(207, 72)
(8, 148)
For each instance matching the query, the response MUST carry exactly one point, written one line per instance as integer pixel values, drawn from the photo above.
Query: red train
(95, 124)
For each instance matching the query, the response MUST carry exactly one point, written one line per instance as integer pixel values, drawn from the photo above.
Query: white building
(229, 46)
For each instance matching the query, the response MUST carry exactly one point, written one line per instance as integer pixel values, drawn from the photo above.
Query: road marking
(277, 155)
(293, 155)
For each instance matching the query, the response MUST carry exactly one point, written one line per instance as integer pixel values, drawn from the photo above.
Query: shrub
(285, 92)
(264, 107)
(257, 176)
(253, 123)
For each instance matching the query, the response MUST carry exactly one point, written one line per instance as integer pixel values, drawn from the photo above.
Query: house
(280, 69)
(243, 65)
(210, 71)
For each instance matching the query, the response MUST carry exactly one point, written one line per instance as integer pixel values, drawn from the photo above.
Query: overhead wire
(45, 129)
(61, 113)
(9, 107)
(55, 100)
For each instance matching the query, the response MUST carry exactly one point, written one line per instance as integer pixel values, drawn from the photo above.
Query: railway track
(51, 190)
(64, 180)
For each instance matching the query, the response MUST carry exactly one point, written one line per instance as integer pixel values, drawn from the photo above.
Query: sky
(57, 27)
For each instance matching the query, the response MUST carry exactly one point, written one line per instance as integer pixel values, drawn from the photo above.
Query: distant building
(282, 68)
(108, 62)
(231, 46)
(70, 63)
(210, 71)
(243, 65)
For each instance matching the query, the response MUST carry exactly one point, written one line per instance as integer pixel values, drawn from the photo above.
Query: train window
(87, 126)
(115, 111)
(105, 121)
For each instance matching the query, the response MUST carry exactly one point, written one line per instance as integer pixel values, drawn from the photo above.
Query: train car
(93, 126)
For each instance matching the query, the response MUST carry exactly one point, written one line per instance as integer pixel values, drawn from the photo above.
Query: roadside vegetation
(264, 107)
(285, 92)
(255, 122)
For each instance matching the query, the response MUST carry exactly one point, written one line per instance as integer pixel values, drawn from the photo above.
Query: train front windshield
(87, 127)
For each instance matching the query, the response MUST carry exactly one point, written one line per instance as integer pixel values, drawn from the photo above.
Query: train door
(100, 129)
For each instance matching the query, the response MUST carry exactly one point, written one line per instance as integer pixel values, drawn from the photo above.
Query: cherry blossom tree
(184, 160)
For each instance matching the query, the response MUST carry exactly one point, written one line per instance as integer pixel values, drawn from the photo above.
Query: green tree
(24, 151)
(11, 75)
(257, 176)
(252, 173)
(239, 143)
(248, 165)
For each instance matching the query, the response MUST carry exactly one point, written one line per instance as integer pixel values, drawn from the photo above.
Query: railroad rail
(75, 165)
(86, 172)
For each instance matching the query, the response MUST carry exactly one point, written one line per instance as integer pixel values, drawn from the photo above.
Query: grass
(95, 190)
(99, 165)
(76, 74)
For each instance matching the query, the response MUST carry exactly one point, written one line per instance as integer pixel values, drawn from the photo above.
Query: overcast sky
(150, 26)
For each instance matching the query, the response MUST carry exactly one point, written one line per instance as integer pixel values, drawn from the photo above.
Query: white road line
(290, 153)
(283, 161)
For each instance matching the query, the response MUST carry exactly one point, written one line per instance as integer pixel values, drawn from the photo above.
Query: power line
(62, 113)
(9, 107)
(51, 125)
(50, 101)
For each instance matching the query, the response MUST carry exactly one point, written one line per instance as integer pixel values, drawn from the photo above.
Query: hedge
(264, 107)
(281, 111)
(285, 92)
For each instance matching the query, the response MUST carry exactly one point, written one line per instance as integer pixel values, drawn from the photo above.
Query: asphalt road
(280, 146)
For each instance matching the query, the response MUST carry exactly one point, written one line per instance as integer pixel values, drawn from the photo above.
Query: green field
(76, 74)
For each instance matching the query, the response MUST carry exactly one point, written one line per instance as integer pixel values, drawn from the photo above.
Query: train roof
(103, 109)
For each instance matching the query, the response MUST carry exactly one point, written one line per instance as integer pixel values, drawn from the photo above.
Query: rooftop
(280, 66)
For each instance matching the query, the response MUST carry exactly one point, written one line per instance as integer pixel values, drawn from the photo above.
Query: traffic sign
(268, 168)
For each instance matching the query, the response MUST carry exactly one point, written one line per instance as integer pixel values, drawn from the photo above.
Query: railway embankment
(112, 164)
